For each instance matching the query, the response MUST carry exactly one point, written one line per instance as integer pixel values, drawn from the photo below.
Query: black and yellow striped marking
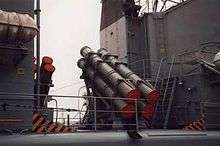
(41, 125)
(198, 125)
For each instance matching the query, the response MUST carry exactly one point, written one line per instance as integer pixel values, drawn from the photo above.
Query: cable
(66, 86)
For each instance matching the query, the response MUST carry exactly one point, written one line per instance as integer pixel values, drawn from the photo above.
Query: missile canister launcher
(111, 78)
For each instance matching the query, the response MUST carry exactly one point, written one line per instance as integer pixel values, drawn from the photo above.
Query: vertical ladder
(167, 83)
(167, 90)
(170, 104)
(158, 83)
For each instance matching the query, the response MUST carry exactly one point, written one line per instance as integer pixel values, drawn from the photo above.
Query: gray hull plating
(150, 138)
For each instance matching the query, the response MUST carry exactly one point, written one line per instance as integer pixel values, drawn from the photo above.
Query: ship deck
(119, 138)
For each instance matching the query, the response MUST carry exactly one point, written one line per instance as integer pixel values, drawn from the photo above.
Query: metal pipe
(37, 12)
(147, 90)
(124, 88)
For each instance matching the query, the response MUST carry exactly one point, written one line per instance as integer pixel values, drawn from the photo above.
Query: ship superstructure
(174, 50)
(157, 70)
(16, 63)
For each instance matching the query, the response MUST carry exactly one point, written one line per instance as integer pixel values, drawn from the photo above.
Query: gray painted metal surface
(192, 25)
(138, 47)
(21, 6)
(150, 138)
(114, 38)
(125, 34)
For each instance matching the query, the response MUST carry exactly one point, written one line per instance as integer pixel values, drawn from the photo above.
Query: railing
(68, 116)
(188, 59)
(185, 63)
(146, 68)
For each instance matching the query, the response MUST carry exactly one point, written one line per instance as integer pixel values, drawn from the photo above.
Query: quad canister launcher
(127, 92)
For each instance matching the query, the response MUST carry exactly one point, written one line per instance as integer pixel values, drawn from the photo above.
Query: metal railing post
(79, 110)
(68, 120)
(136, 114)
(56, 110)
(95, 114)
(46, 112)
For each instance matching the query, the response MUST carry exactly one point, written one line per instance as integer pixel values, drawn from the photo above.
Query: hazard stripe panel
(198, 125)
(41, 125)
